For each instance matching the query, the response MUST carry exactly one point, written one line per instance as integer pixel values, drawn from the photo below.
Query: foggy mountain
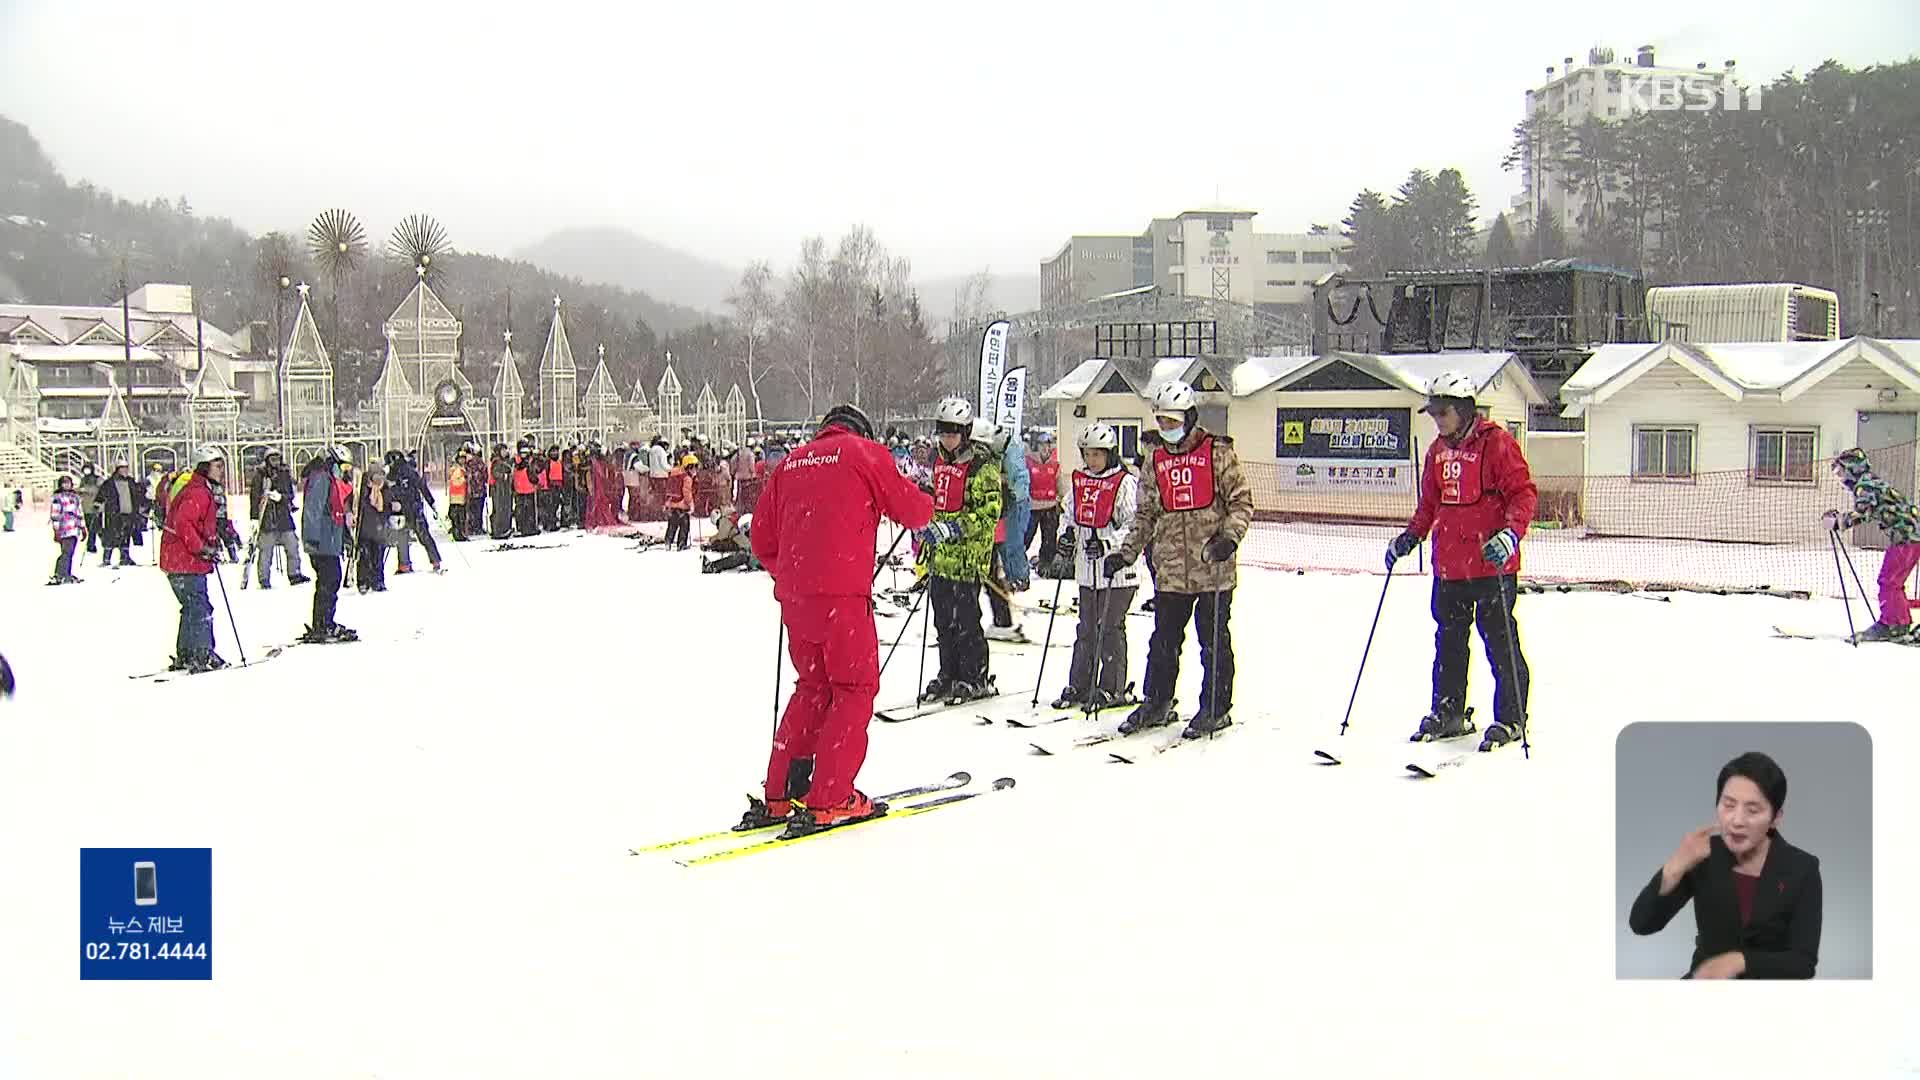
(616, 256)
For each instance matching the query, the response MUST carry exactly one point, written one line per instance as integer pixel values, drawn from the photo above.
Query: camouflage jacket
(1179, 537)
(1875, 502)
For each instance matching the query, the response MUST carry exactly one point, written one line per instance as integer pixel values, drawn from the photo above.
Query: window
(1129, 432)
(1282, 257)
(1278, 284)
(1316, 256)
(1219, 224)
(1222, 283)
(1663, 453)
(1783, 455)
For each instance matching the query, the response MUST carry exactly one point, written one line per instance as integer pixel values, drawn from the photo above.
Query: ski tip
(1003, 783)
(1041, 750)
(1118, 760)
(982, 721)
(1417, 771)
(1326, 758)
(961, 777)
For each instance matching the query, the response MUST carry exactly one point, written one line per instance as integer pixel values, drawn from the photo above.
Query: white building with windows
(1730, 441)
(1213, 253)
(1609, 89)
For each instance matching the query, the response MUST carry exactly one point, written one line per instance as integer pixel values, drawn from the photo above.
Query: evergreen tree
(1501, 248)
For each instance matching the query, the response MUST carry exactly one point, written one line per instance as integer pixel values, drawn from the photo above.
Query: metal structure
(308, 421)
(641, 419)
(734, 419)
(603, 406)
(669, 394)
(213, 414)
(706, 414)
(116, 437)
(396, 405)
(559, 391)
(510, 393)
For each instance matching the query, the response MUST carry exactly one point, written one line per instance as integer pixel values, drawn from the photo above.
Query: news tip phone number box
(146, 913)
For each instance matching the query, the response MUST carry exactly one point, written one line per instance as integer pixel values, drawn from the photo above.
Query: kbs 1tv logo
(1684, 93)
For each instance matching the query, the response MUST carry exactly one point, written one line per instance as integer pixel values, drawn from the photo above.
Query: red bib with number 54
(1459, 476)
(950, 486)
(1186, 480)
(1093, 498)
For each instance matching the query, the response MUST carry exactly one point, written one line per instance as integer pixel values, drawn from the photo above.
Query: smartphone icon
(146, 888)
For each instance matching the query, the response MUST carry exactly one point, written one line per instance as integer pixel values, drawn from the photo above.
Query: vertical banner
(993, 361)
(1010, 404)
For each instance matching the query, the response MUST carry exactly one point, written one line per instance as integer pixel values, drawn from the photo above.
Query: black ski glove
(1401, 547)
(1221, 548)
(1115, 563)
(1096, 549)
(6, 678)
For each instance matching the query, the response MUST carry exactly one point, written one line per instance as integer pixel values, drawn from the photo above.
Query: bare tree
(754, 311)
(805, 309)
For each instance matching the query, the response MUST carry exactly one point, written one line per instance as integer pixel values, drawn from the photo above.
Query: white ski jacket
(1126, 503)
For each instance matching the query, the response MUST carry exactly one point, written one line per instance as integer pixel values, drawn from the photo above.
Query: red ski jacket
(1472, 488)
(192, 527)
(815, 524)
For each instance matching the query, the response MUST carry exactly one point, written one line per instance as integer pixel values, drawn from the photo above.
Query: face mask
(1174, 435)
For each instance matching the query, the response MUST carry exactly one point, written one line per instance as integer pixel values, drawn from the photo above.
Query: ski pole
(1378, 608)
(1213, 660)
(1853, 635)
(1052, 614)
(921, 680)
(1100, 640)
(235, 627)
(1520, 678)
(908, 625)
(1855, 571)
(886, 559)
(779, 656)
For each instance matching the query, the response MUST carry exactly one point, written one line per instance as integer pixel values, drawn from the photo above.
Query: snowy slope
(421, 870)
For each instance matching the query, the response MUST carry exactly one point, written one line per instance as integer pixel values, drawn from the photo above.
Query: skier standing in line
(818, 517)
(1875, 502)
(1106, 498)
(380, 519)
(189, 547)
(89, 492)
(501, 474)
(1195, 506)
(69, 525)
(273, 508)
(958, 549)
(414, 497)
(1043, 470)
(457, 496)
(1012, 570)
(326, 520)
(680, 502)
(121, 504)
(1476, 498)
(526, 490)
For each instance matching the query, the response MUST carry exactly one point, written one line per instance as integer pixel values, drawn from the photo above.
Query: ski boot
(813, 819)
(937, 690)
(1444, 723)
(56, 580)
(1206, 722)
(762, 814)
(1098, 699)
(1008, 633)
(314, 637)
(207, 661)
(959, 692)
(1880, 631)
(1070, 698)
(1148, 715)
(337, 633)
(298, 579)
(1499, 734)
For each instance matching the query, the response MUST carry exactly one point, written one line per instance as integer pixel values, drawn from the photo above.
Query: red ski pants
(836, 655)
(1896, 565)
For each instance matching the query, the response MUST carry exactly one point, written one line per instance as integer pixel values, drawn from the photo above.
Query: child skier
(1875, 502)
(1105, 498)
(68, 520)
(958, 549)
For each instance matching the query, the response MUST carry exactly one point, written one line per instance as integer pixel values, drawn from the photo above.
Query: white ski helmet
(1173, 398)
(954, 411)
(207, 452)
(1097, 436)
(984, 431)
(341, 454)
(1451, 384)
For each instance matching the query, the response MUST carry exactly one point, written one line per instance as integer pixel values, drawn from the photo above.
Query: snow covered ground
(421, 845)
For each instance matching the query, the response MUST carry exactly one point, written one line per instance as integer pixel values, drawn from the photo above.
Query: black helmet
(851, 418)
(394, 456)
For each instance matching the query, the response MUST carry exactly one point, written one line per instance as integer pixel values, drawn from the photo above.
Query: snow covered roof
(85, 354)
(1769, 370)
(1413, 372)
(1256, 373)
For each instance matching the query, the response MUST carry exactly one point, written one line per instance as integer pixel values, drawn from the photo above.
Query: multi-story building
(1606, 89)
(1211, 253)
(82, 355)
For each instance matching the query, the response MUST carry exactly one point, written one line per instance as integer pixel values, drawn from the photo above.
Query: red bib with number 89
(950, 486)
(1093, 498)
(1186, 480)
(1459, 476)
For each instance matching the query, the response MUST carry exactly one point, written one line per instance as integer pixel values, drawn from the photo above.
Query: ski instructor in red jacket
(814, 530)
(1476, 498)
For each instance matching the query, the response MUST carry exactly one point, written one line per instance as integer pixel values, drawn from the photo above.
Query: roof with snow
(1770, 370)
(1413, 372)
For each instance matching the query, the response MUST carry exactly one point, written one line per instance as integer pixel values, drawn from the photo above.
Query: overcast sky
(967, 134)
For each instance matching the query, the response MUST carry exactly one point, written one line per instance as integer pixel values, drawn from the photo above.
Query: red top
(815, 524)
(191, 529)
(1745, 886)
(1044, 481)
(1471, 489)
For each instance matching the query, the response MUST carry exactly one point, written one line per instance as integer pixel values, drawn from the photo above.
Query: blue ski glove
(1401, 547)
(6, 678)
(1500, 547)
(940, 532)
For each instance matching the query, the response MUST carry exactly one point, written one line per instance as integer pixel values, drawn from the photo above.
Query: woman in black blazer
(1756, 898)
